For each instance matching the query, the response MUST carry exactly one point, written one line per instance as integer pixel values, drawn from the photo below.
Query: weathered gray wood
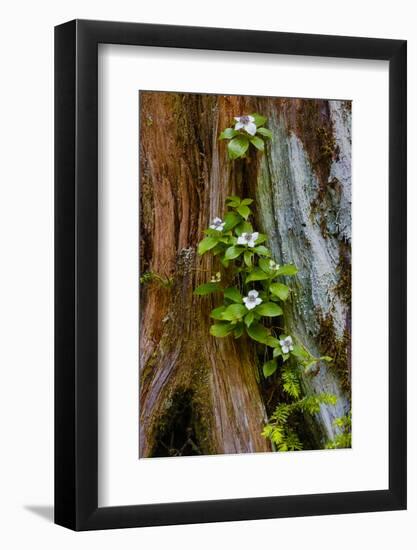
(306, 213)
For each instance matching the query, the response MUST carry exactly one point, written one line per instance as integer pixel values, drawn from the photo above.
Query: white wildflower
(217, 224)
(252, 300)
(216, 278)
(246, 123)
(286, 344)
(248, 239)
(273, 265)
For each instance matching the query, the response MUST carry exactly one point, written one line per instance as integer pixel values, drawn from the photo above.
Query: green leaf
(238, 330)
(216, 313)
(206, 244)
(269, 367)
(256, 275)
(233, 294)
(231, 219)
(212, 232)
(228, 133)
(308, 367)
(264, 132)
(247, 201)
(262, 250)
(280, 290)
(269, 309)
(258, 143)
(217, 249)
(273, 342)
(264, 265)
(276, 352)
(206, 288)
(258, 333)
(300, 353)
(237, 146)
(244, 227)
(221, 329)
(233, 252)
(234, 199)
(326, 358)
(247, 256)
(262, 238)
(287, 269)
(244, 211)
(249, 318)
(234, 312)
(259, 119)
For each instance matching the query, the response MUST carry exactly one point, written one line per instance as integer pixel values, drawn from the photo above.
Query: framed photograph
(230, 248)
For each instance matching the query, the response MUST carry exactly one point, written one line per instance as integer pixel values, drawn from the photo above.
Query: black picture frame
(76, 271)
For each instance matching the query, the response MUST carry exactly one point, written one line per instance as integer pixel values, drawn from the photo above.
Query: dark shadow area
(176, 434)
(45, 512)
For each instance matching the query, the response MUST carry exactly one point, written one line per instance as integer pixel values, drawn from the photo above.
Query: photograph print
(245, 274)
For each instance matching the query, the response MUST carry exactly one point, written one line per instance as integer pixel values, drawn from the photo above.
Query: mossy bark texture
(301, 187)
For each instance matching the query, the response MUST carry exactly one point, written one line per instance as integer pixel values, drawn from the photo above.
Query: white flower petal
(241, 240)
(258, 301)
(237, 118)
(250, 128)
(239, 126)
(250, 305)
(251, 244)
(219, 227)
(217, 220)
(285, 349)
(251, 118)
(253, 293)
(255, 235)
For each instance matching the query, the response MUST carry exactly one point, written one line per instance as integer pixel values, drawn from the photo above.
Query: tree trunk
(303, 191)
(191, 384)
(200, 394)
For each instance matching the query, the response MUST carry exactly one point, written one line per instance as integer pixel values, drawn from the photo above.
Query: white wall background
(26, 274)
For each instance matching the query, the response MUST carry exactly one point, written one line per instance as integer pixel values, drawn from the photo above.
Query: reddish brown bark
(184, 183)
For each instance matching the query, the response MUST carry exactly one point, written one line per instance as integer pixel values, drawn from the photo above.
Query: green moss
(347, 105)
(337, 348)
(186, 414)
(344, 268)
(315, 129)
(326, 145)
(161, 280)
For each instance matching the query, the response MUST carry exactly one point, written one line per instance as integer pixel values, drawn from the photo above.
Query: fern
(278, 430)
(291, 382)
(343, 440)
(291, 442)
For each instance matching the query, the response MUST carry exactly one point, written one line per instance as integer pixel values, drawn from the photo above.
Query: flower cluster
(286, 344)
(258, 294)
(217, 224)
(253, 291)
(252, 299)
(249, 130)
(248, 239)
(247, 123)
